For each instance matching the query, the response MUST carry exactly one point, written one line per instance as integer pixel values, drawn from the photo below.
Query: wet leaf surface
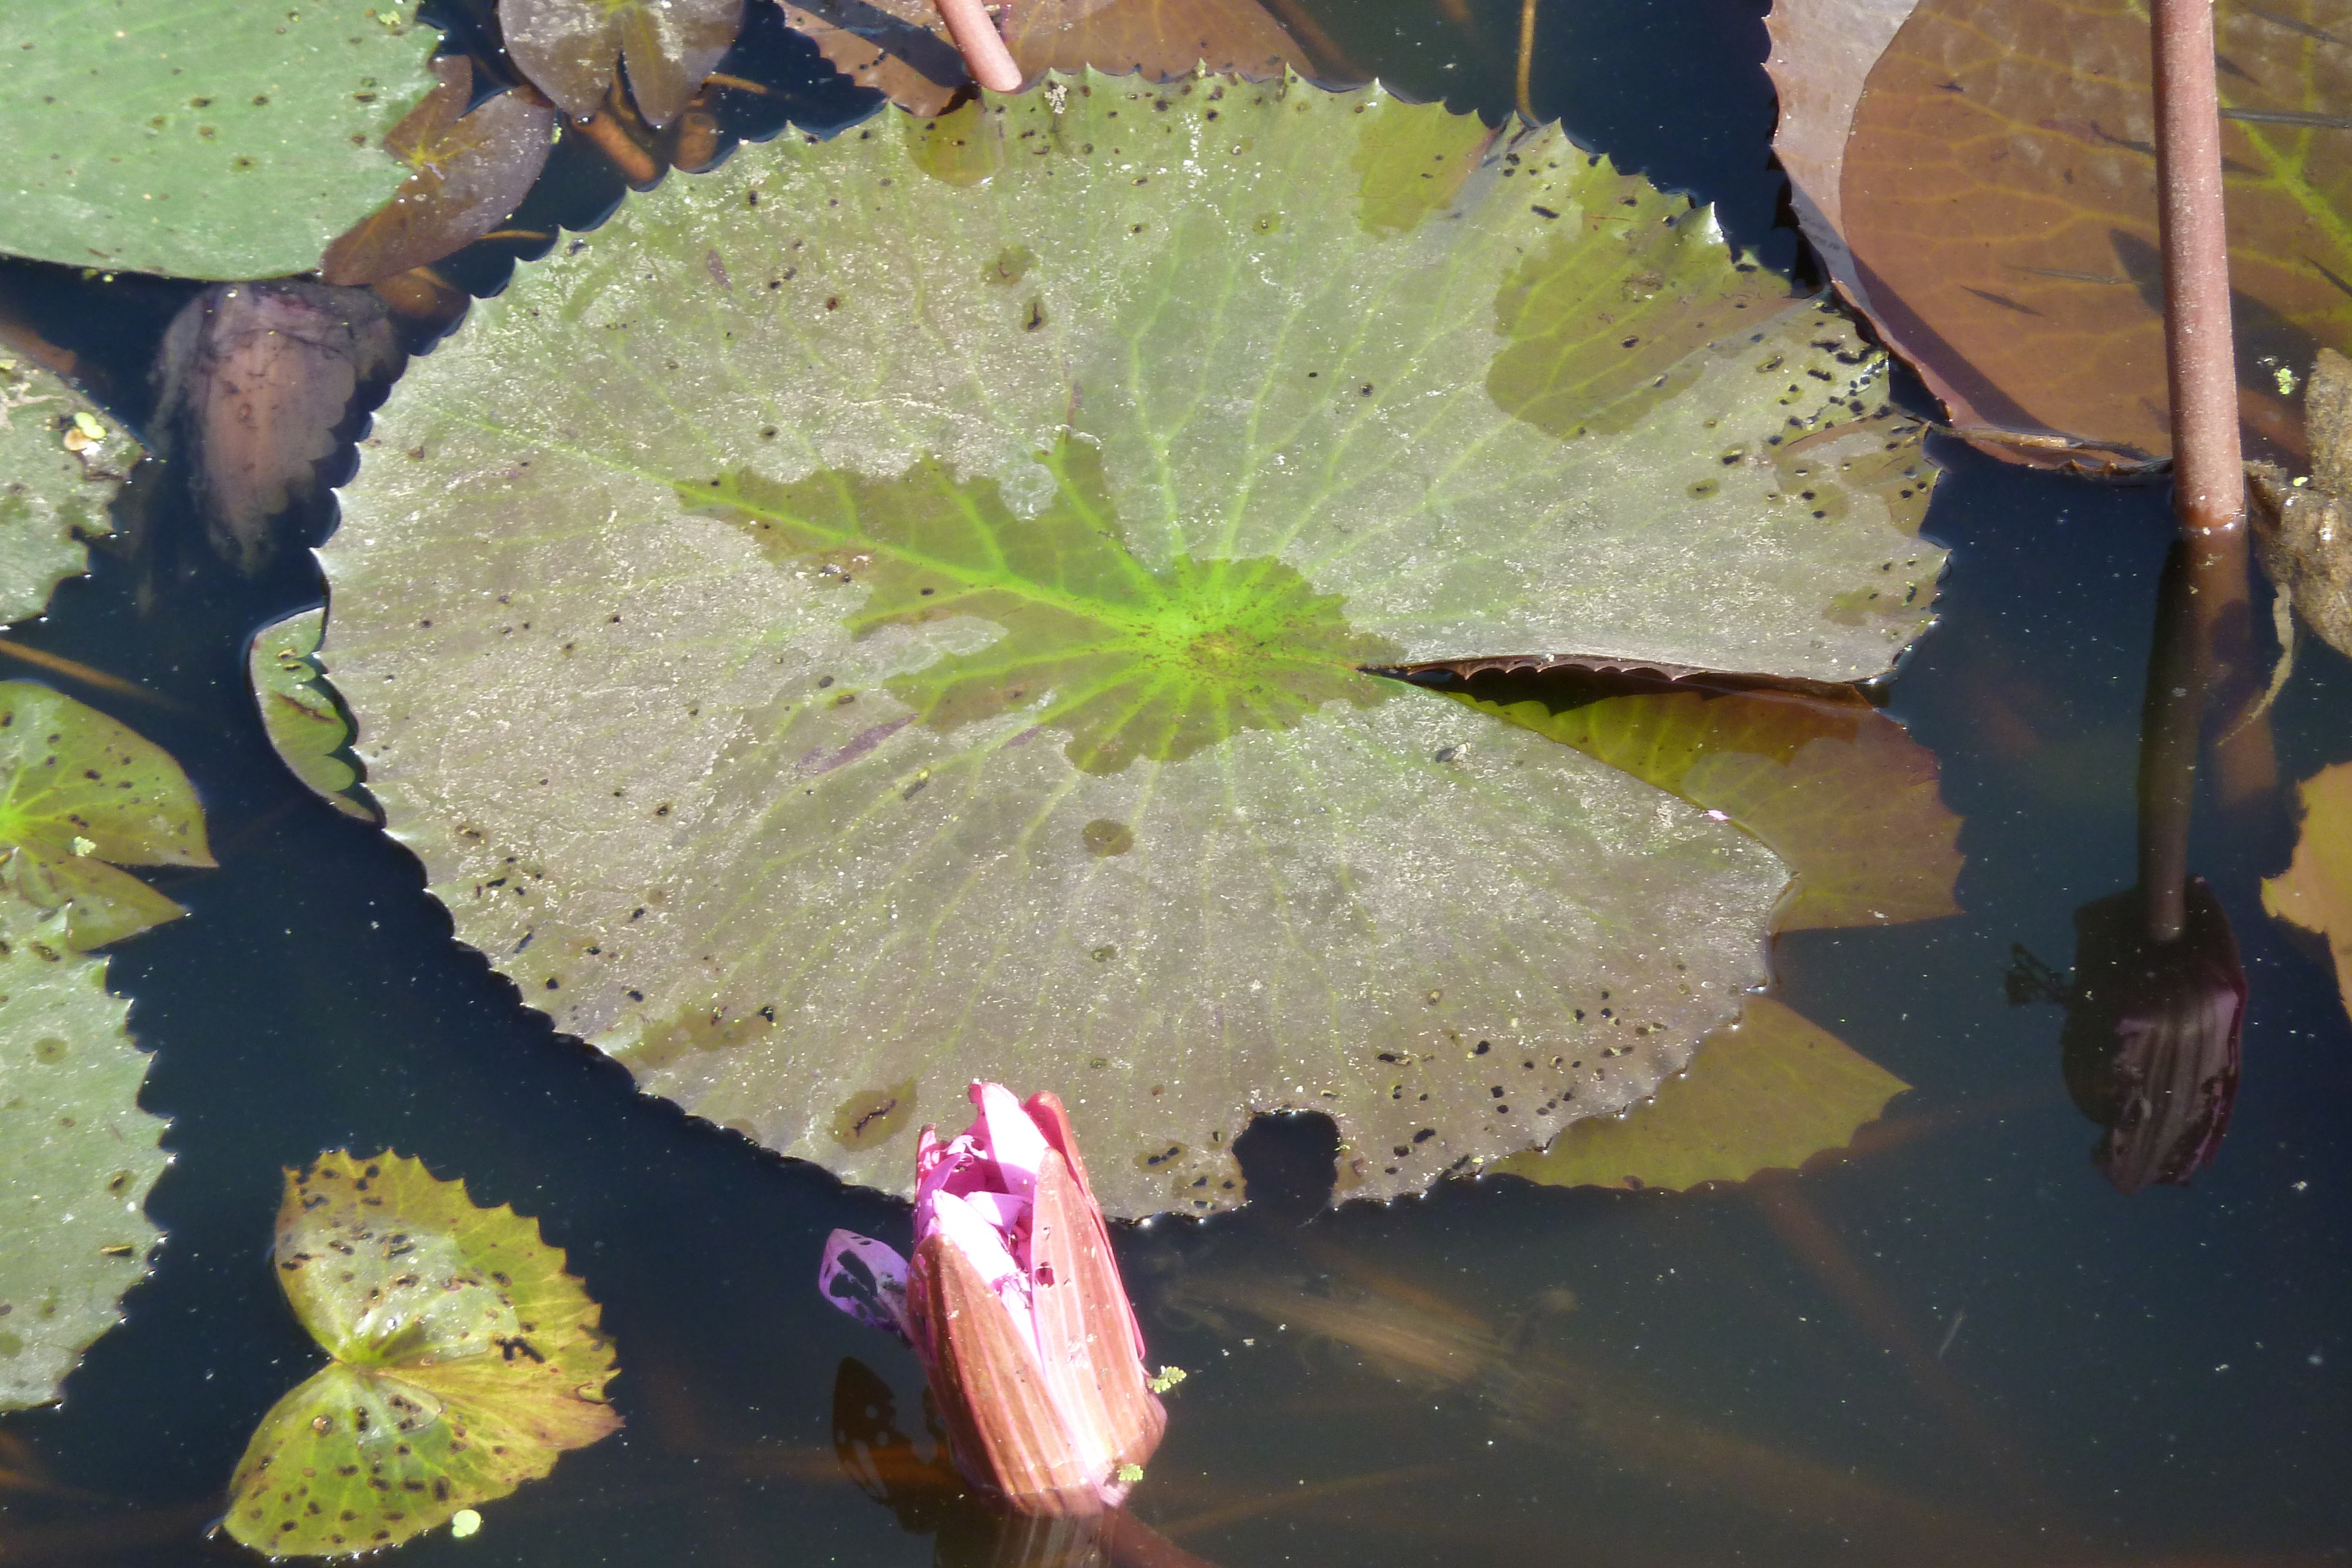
(1766, 1093)
(80, 796)
(901, 48)
(471, 169)
(77, 1157)
(893, 663)
(1997, 196)
(570, 49)
(305, 726)
(213, 139)
(62, 463)
(467, 1361)
(2315, 892)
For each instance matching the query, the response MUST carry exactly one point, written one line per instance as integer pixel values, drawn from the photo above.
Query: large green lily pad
(61, 464)
(203, 139)
(896, 610)
(465, 1361)
(77, 1157)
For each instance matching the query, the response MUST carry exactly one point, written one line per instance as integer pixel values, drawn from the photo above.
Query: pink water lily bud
(1014, 1305)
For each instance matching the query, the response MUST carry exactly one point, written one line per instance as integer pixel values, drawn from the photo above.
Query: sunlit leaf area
(1364, 782)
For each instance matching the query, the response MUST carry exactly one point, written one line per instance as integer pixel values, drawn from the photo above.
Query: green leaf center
(1135, 663)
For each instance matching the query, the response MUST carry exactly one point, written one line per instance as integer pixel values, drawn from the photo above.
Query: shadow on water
(1960, 1345)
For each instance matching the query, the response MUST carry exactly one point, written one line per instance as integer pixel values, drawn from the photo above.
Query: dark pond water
(1963, 1348)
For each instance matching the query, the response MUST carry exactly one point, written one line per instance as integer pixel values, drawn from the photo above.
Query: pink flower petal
(866, 1279)
(965, 1228)
(1013, 1142)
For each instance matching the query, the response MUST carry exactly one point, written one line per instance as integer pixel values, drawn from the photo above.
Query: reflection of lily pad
(80, 796)
(1770, 1090)
(299, 712)
(203, 139)
(465, 1361)
(911, 630)
(77, 1157)
(61, 464)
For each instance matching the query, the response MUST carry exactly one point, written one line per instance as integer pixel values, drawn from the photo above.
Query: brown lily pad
(471, 169)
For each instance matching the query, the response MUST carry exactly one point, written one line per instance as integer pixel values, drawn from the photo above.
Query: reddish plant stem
(982, 48)
(2209, 475)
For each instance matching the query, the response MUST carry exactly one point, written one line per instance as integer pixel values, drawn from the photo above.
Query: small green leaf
(299, 714)
(77, 1157)
(79, 790)
(54, 492)
(465, 1361)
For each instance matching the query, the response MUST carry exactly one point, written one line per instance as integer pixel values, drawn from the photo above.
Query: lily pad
(895, 612)
(1766, 1092)
(77, 1157)
(81, 796)
(299, 712)
(210, 138)
(467, 1361)
(1992, 194)
(61, 464)
(2315, 892)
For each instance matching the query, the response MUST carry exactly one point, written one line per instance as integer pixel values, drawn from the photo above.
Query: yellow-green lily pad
(465, 1361)
(81, 796)
(2315, 892)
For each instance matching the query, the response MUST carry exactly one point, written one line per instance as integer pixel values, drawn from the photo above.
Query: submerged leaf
(892, 612)
(57, 483)
(465, 1361)
(1836, 788)
(77, 1157)
(472, 168)
(203, 139)
(901, 48)
(79, 791)
(568, 49)
(253, 381)
(2315, 892)
(1768, 1091)
(299, 712)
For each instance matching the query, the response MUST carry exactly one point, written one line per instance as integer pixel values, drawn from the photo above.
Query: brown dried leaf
(568, 48)
(471, 170)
